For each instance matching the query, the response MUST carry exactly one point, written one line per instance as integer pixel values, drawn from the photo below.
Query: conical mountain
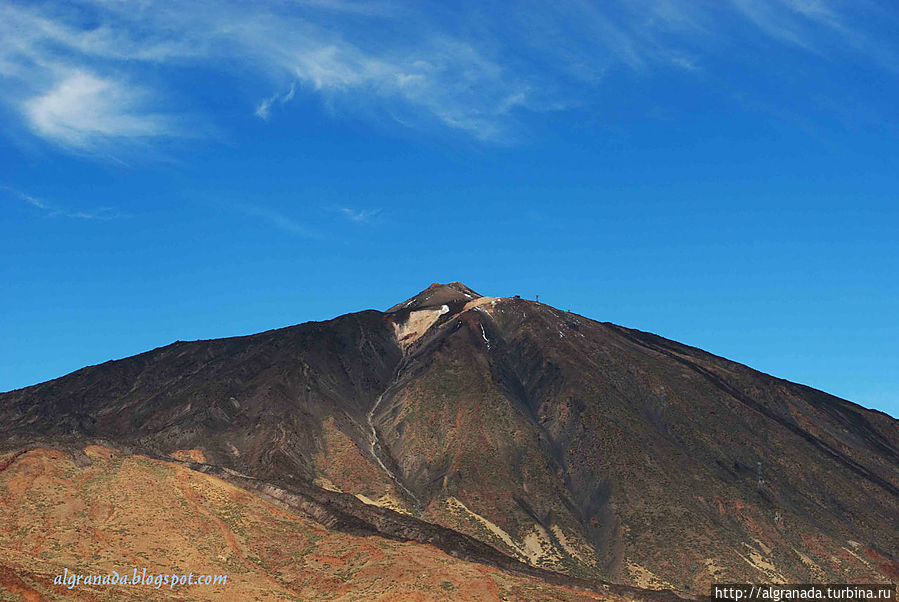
(577, 446)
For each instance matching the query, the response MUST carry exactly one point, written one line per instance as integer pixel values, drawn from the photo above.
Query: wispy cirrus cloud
(85, 111)
(263, 109)
(73, 86)
(52, 210)
(90, 74)
(278, 220)
(360, 216)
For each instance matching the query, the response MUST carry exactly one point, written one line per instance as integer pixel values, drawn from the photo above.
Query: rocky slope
(582, 447)
(96, 510)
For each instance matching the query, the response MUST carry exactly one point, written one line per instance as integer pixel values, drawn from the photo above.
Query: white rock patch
(417, 324)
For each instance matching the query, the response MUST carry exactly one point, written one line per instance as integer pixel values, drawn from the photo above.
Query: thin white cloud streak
(278, 220)
(474, 71)
(52, 211)
(824, 27)
(46, 38)
(437, 78)
(263, 109)
(360, 216)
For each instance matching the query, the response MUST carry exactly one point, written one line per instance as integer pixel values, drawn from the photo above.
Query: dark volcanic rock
(253, 403)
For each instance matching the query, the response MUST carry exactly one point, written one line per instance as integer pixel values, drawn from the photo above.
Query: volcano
(509, 433)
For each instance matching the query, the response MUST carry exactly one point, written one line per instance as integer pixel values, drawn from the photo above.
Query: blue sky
(721, 173)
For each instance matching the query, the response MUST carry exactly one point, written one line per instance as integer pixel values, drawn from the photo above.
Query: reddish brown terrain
(506, 433)
(117, 512)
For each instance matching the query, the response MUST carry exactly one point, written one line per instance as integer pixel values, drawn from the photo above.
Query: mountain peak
(435, 295)
(460, 411)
